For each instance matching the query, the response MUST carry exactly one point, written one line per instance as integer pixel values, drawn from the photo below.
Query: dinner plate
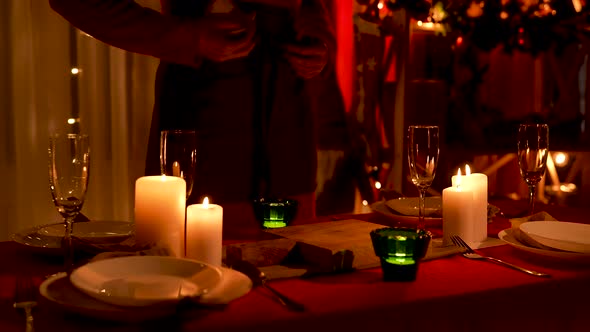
(508, 237)
(561, 235)
(145, 280)
(96, 231)
(46, 239)
(410, 206)
(59, 291)
(405, 210)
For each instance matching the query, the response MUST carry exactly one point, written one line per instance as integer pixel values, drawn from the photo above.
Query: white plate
(561, 235)
(508, 237)
(145, 280)
(60, 292)
(46, 239)
(384, 208)
(102, 231)
(409, 206)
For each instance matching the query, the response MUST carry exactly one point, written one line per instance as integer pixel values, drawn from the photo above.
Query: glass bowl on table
(400, 250)
(274, 212)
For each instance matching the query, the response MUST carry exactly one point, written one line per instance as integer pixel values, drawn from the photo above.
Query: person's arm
(132, 27)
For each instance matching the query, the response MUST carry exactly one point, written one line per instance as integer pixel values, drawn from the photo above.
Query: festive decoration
(377, 10)
(526, 25)
(418, 9)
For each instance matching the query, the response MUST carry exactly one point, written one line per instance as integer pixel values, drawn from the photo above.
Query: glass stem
(532, 198)
(67, 246)
(422, 208)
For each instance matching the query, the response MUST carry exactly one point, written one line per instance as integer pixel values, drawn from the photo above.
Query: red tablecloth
(450, 294)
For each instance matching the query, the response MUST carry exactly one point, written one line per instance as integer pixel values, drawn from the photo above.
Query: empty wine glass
(423, 151)
(178, 155)
(69, 166)
(533, 149)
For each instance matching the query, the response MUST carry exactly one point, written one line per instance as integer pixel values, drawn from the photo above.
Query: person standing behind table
(239, 79)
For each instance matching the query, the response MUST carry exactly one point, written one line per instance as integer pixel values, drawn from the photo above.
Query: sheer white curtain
(38, 95)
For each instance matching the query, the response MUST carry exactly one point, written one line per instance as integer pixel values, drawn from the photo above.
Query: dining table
(451, 293)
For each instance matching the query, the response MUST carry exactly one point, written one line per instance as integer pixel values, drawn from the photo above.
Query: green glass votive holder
(274, 213)
(400, 250)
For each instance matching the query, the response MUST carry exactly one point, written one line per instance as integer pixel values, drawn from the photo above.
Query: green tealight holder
(400, 250)
(274, 213)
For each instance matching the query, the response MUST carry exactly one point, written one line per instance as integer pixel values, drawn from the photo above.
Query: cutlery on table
(25, 297)
(471, 254)
(259, 279)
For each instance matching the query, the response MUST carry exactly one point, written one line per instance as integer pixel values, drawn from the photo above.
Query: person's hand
(307, 59)
(309, 54)
(226, 36)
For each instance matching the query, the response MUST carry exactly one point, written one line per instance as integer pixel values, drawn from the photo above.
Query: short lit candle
(159, 212)
(204, 232)
(478, 184)
(457, 211)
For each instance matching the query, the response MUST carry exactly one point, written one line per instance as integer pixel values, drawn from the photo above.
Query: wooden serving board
(335, 245)
(326, 247)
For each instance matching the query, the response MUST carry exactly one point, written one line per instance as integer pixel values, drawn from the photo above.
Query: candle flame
(176, 169)
(458, 183)
(206, 202)
(467, 170)
(577, 5)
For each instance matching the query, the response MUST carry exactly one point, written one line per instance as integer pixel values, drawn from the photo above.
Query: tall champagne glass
(69, 166)
(533, 149)
(423, 152)
(178, 155)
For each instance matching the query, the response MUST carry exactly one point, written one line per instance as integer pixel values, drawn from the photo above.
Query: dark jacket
(253, 116)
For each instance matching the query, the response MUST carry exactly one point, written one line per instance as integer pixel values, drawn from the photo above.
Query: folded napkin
(523, 237)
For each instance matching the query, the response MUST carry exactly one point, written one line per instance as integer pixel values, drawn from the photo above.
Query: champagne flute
(69, 166)
(178, 155)
(423, 151)
(533, 149)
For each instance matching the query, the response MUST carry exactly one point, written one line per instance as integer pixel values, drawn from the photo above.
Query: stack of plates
(556, 239)
(137, 288)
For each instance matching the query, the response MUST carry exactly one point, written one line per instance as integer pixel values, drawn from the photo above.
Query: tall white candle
(457, 212)
(160, 203)
(204, 228)
(478, 184)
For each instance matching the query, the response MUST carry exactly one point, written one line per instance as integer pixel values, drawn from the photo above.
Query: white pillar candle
(160, 203)
(457, 212)
(204, 228)
(478, 184)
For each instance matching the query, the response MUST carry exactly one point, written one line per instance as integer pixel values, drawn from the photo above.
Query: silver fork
(25, 297)
(471, 254)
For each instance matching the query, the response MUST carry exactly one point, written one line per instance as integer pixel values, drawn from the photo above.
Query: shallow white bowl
(145, 280)
(566, 236)
(58, 291)
(552, 255)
